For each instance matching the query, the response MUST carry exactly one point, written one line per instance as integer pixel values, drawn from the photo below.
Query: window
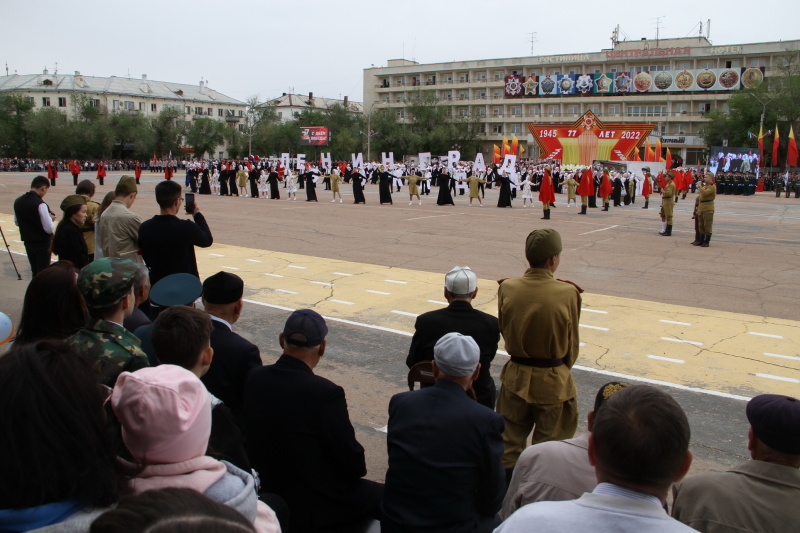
(497, 93)
(129, 106)
(241, 113)
(596, 70)
(573, 109)
(647, 110)
(516, 110)
(683, 65)
(463, 78)
(141, 107)
(385, 98)
(399, 98)
(758, 62)
(680, 129)
(481, 128)
(680, 108)
(463, 95)
(708, 63)
(614, 109)
(733, 63)
(385, 82)
(615, 68)
(219, 112)
(241, 128)
(534, 110)
(45, 101)
(463, 112)
(594, 108)
(650, 68)
(553, 110)
(198, 110)
(447, 95)
(62, 101)
(154, 108)
(401, 113)
(533, 73)
(280, 114)
(448, 78)
(480, 95)
(31, 100)
(497, 128)
(481, 76)
(572, 71)
(499, 74)
(400, 82)
(115, 105)
(210, 112)
(516, 128)
(431, 80)
(188, 110)
(497, 111)
(95, 102)
(555, 72)
(481, 111)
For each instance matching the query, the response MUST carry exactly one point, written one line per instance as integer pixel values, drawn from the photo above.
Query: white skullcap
(461, 280)
(456, 355)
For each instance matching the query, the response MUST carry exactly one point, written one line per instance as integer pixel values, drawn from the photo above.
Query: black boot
(646, 204)
(546, 215)
(605, 207)
(667, 232)
(706, 241)
(698, 239)
(583, 210)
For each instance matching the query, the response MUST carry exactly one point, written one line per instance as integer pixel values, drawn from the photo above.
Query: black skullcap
(223, 288)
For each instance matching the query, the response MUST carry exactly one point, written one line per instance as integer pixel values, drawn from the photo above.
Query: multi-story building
(287, 106)
(669, 83)
(67, 92)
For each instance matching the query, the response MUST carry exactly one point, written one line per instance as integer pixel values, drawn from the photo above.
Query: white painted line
(217, 255)
(230, 267)
(378, 292)
(384, 429)
(16, 241)
(404, 313)
(594, 311)
(437, 302)
(273, 275)
(779, 378)
(669, 359)
(662, 383)
(595, 231)
(765, 335)
(681, 340)
(295, 266)
(395, 281)
(673, 322)
(323, 283)
(253, 260)
(501, 352)
(341, 302)
(10, 231)
(2, 221)
(284, 290)
(593, 327)
(342, 274)
(781, 356)
(582, 344)
(434, 216)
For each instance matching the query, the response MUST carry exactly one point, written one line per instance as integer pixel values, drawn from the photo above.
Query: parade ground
(711, 326)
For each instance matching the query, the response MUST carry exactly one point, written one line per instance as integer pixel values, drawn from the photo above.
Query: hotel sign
(652, 52)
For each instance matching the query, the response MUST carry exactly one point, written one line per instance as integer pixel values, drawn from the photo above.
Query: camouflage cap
(126, 185)
(106, 281)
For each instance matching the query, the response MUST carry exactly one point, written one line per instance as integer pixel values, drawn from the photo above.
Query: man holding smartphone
(167, 242)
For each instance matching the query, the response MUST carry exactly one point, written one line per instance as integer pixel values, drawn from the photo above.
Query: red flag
(155, 161)
(669, 159)
(506, 148)
(775, 144)
(515, 146)
(761, 145)
(636, 155)
(648, 153)
(658, 151)
(791, 149)
(496, 159)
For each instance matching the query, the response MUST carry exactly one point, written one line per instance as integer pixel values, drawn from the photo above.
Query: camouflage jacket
(114, 349)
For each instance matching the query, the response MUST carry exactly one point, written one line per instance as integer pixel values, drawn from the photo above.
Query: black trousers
(38, 255)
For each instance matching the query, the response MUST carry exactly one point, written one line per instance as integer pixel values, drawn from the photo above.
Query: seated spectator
(141, 289)
(170, 510)
(53, 307)
(68, 242)
(59, 470)
(639, 446)
(234, 356)
(107, 287)
(176, 289)
(299, 436)
(760, 495)
(181, 336)
(556, 470)
(165, 414)
(445, 470)
(460, 288)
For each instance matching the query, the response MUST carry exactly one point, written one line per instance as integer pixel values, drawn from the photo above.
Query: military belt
(538, 363)
(701, 201)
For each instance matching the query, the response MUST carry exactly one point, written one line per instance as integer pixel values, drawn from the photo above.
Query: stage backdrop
(727, 159)
(588, 139)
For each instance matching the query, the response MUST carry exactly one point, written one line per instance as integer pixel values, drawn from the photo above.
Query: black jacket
(167, 244)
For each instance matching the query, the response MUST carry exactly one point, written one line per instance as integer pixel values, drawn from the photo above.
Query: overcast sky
(245, 48)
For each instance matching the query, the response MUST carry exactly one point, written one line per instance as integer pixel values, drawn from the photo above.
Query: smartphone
(189, 203)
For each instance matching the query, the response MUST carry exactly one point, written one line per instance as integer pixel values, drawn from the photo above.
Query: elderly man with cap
(445, 469)
(538, 317)
(760, 495)
(234, 356)
(107, 287)
(557, 470)
(119, 226)
(299, 436)
(460, 288)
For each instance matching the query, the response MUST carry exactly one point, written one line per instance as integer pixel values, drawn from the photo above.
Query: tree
(204, 135)
(132, 132)
(48, 132)
(168, 128)
(13, 133)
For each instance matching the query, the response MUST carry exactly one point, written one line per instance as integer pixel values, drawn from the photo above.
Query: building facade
(669, 83)
(68, 92)
(287, 106)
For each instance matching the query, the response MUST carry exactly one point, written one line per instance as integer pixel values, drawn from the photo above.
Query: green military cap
(106, 281)
(541, 245)
(71, 200)
(126, 185)
(176, 289)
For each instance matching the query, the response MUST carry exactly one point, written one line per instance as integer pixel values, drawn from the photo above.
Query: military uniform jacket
(707, 193)
(113, 348)
(538, 317)
(119, 232)
(668, 192)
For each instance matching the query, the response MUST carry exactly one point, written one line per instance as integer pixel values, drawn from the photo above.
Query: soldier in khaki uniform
(107, 287)
(538, 317)
(705, 210)
(667, 204)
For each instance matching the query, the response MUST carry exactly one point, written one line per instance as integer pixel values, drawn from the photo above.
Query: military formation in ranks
(737, 183)
(783, 184)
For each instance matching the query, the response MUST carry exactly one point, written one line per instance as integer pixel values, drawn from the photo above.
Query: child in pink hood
(165, 413)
